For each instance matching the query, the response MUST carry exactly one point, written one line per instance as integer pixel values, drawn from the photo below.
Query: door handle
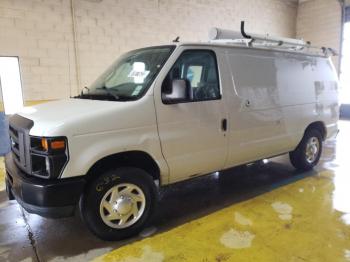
(224, 124)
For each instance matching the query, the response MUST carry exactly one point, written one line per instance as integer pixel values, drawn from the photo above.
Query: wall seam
(75, 44)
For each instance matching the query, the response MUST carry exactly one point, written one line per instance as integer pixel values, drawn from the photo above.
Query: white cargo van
(168, 113)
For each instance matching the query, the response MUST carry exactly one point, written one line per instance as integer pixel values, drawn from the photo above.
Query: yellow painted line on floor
(26, 103)
(2, 174)
(36, 102)
(296, 222)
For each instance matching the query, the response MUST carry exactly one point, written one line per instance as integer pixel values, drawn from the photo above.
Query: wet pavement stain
(242, 220)
(30, 235)
(237, 239)
(315, 233)
(82, 257)
(284, 210)
(148, 255)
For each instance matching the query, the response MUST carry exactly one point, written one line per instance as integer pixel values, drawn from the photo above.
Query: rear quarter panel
(308, 91)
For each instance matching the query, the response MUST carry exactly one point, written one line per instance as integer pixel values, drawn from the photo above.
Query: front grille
(15, 146)
(28, 153)
(19, 135)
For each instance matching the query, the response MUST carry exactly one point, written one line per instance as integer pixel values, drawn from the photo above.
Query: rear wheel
(308, 152)
(119, 203)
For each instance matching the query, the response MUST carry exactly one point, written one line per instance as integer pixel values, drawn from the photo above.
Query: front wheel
(119, 203)
(308, 152)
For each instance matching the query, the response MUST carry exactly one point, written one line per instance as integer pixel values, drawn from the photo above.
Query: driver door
(193, 133)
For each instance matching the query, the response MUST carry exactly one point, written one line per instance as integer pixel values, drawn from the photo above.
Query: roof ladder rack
(259, 40)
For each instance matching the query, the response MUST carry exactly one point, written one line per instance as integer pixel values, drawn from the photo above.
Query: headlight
(49, 155)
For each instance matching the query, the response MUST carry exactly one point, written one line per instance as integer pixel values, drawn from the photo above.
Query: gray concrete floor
(27, 237)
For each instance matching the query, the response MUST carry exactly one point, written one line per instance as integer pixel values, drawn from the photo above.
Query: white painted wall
(40, 33)
(319, 21)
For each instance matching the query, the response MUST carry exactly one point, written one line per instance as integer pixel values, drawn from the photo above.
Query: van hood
(70, 115)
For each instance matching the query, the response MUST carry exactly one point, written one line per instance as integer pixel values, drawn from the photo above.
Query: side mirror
(178, 92)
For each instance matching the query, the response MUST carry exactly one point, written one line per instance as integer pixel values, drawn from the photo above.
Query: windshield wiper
(109, 92)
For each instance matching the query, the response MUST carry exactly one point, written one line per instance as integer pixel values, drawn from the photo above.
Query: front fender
(85, 150)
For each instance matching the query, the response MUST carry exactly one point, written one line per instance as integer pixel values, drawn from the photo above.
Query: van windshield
(130, 76)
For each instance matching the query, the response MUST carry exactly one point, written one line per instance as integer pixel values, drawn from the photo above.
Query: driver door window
(194, 74)
(199, 69)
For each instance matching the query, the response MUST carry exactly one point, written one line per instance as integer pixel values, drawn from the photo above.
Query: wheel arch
(319, 126)
(139, 159)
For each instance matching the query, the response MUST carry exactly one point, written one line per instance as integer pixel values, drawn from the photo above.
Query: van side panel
(257, 121)
(327, 94)
(277, 95)
(308, 93)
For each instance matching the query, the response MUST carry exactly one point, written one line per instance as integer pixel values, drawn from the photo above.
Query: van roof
(227, 44)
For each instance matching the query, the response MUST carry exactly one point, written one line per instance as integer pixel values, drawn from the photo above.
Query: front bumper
(47, 198)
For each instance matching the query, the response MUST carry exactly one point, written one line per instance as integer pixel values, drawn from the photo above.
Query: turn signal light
(53, 145)
(58, 144)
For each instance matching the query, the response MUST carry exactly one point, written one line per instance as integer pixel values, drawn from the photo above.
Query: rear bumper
(332, 130)
(47, 198)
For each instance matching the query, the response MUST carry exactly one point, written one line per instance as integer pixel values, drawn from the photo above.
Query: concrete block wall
(319, 21)
(40, 33)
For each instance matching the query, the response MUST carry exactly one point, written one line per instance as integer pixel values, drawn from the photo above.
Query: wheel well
(137, 159)
(319, 126)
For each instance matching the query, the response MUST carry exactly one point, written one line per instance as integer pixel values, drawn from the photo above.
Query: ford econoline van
(164, 114)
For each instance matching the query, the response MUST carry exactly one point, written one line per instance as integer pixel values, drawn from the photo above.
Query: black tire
(298, 157)
(97, 189)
